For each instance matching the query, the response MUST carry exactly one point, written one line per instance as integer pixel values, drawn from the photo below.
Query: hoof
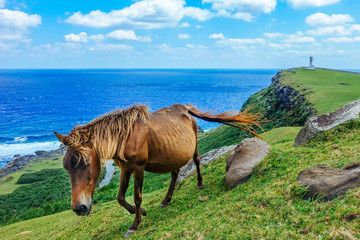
(143, 212)
(201, 187)
(129, 232)
(163, 205)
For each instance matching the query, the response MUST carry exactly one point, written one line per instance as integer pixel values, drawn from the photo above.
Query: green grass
(219, 137)
(282, 134)
(323, 88)
(266, 207)
(47, 192)
(36, 196)
(9, 182)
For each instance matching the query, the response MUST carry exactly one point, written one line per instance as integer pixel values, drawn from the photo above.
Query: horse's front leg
(138, 183)
(124, 183)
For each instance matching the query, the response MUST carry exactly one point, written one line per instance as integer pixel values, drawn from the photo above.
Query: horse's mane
(107, 133)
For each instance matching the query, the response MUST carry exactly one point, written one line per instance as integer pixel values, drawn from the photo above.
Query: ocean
(34, 103)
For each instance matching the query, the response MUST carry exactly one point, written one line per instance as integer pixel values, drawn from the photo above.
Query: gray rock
(40, 152)
(205, 158)
(328, 183)
(249, 153)
(327, 121)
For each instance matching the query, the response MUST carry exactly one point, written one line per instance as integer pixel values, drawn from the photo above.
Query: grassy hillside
(9, 183)
(267, 206)
(317, 92)
(327, 90)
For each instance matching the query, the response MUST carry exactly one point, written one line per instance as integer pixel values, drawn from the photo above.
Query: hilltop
(267, 206)
(293, 96)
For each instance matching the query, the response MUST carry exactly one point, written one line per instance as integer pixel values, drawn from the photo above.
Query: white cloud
(297, 52)
(119, 35)
(185, 25)
(197, 13)
(241, 9)
(81, 37)
(222, 40)
(300, 40)
(11, 35)
(343, 40)
(298, 37)
(97, 37)
(217, 36)
(195, 46)
(17, 19)
(14, 26)
(324, 19)
(311, 3)
(273, 35)
(146, 14)
(239, 15)
(280, 46)
(184, 36)
(2, 3)
(242, 41)
(243, 6)
(355, 28)
(126, 35)
(110, 47)
(333, 30)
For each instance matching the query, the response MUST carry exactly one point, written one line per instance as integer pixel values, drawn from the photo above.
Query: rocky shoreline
(19, 162)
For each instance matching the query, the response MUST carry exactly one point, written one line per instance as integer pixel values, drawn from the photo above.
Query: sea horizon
(36, 102)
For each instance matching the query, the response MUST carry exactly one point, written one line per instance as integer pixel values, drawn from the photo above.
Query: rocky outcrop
(281, 103)
(316, 125)
(249, 153)
(19, 162)
(205, 158)
(325, 183)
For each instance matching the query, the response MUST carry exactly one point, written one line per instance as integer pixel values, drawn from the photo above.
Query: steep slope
(267, 206)
(293, 96)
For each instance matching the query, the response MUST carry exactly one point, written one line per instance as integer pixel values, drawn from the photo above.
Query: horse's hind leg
(124, 183)
(174, 175)
(196, 159)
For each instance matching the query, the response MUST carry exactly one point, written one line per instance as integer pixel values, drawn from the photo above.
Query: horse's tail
(242, 120)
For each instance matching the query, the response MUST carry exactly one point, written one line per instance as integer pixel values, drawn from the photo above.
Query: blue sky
(179, 33)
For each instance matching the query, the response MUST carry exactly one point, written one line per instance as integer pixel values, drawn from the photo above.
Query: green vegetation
(313, 88)
(152, 182)
(282, 134)
(47, 192)
(320, 85)
(267, 206)
(36, 196)
(219, 137)
(9, 183)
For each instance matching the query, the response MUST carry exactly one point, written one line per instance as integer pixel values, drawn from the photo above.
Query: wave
(7, 151)
(28, 139)
(20, 139)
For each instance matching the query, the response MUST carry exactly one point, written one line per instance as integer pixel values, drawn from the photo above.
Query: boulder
(249, 153)
(205, 158)
(327, 183)
(327, 121)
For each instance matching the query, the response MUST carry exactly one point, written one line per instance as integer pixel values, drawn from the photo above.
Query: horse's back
(171, 139)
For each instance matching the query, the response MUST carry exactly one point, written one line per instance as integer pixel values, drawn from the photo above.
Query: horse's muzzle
(82, 210)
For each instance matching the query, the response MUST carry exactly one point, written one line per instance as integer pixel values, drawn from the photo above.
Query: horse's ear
(62, 138)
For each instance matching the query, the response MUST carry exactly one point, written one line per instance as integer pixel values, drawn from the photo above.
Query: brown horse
(138, 141)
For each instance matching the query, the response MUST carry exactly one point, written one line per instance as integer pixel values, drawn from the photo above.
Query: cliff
(282, 105)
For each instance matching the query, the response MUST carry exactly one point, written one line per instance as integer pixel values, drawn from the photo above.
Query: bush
(36, 198)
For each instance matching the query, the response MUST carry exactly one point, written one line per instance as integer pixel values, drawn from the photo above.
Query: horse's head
(83, 166)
